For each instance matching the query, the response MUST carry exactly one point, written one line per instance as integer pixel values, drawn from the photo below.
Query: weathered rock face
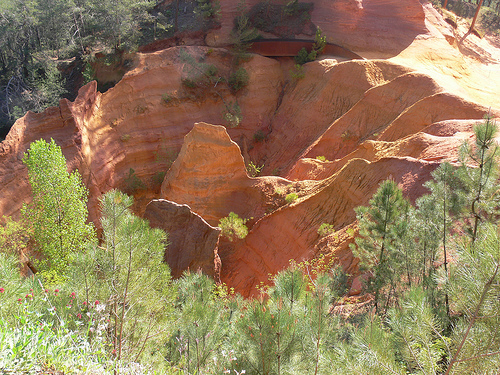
(65, 124)
(192, 242)
(386, 26)
(369, 120)
(291, 232)
(210, 176)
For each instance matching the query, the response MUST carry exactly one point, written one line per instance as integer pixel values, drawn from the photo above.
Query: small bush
(254, 170)
(346, 135)
(321, 158)
(158, 178)
(233, 115)
(297, 73)
(292, 197)
(325, 229)
(259, 136)
(211, 70)
(189, 83)
(167, 98)
(238, 79)
(133, 183)
(140, 109)
(490, 19)
(206, 9)
(302, 57)
(319, 45)
(233, 227)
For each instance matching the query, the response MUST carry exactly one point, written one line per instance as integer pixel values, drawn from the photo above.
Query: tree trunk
(475, 15)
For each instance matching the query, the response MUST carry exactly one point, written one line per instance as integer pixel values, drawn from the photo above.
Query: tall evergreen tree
(437, 211)
(382, 225)
(474, 288)
(480, 174)
(128, 277)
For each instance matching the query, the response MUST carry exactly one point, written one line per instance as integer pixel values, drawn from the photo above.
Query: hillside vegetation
(342, 218)
(431, 305)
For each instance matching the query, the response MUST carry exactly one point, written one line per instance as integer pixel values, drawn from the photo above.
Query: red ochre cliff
(396, 114)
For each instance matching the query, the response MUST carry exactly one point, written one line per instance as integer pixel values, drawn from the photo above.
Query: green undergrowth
(430, 280)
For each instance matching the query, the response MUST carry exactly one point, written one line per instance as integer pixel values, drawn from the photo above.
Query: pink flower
(20, 300)
(2, 290)
(85, 303)
(56, 291)
(73, 294)
(79, 316)
(46, 291)
(96, 302)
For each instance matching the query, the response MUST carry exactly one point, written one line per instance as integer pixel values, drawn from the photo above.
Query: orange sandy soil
(462, 63)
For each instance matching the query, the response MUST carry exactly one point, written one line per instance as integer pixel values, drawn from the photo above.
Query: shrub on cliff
(233, 227)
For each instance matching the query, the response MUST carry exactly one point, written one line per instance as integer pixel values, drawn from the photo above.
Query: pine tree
(474, 288)
(436, 212)
(480, 173)
(128, 277)
(382, 226)
(205, 313)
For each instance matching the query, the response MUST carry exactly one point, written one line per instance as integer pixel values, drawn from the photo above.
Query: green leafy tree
(13, 236)
(382, 226)
(58, 212)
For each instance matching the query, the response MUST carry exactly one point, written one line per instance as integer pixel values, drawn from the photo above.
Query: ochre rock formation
(291, 231)
(387, 26)
(369, 120)
(65, 124)
(210, 176)
(192, 242)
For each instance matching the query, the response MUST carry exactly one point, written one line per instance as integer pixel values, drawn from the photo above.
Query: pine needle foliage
(417, 333)
(437, 212)
(371, 351)
(128, 278)
(480, 173)
(205, 313)
(382, 226)
(474, 288)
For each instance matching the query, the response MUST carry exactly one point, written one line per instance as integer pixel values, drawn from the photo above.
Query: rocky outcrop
(366, 120)
(210, 176)
(64, 124)
(291, 232)
(192, 242)
(387, 26)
